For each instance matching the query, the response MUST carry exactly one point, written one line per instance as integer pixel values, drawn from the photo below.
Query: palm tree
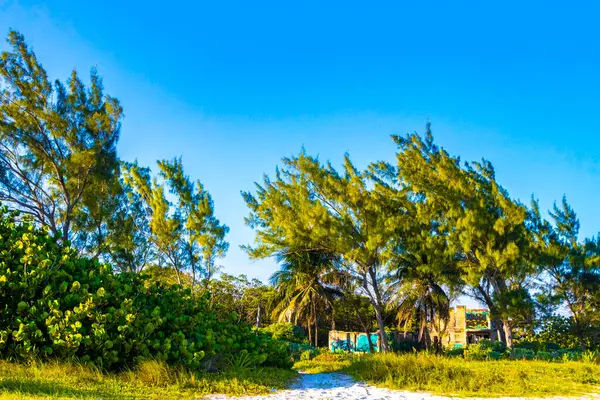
(305, 282)
(424, 302)
(420, 293)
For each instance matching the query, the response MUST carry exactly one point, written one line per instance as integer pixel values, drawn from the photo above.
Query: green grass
(415, 372)
(151, 380)
(325, 363)
(463, 378)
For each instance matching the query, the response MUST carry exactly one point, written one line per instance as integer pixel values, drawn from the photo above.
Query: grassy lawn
(462, 378)
(150, 381)
(415, 372)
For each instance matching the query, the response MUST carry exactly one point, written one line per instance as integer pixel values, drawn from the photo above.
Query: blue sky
(234, 86)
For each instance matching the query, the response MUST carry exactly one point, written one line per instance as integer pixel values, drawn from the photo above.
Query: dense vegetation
(106, 263)
(411, 236)
(463, 378)
(58, 304)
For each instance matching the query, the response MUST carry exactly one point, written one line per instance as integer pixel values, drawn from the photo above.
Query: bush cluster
(285, 331)
(56, 304)
(488, 350)
(300, 351)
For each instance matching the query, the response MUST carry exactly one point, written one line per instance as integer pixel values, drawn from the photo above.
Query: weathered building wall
(467, 326)
(360, 343)
(357, 340)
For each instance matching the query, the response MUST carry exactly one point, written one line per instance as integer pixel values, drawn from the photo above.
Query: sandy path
(339, 386)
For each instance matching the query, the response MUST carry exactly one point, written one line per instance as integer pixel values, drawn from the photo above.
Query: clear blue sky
(234, 86)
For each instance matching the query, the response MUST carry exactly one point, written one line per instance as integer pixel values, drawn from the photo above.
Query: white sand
(338, 386)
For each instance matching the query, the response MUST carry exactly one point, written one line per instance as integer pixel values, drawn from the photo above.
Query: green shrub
(285, 331)
(499, 346)
(533, 346)
(407, 346)
(308, 354)
(485, 344)
(590, 356)
(523, 354)
(56, 304)
(484, 350)
(494, 355)
(548, 346)
(547, 355)
(456, 352)
(570, 355)
(475, 352)
(296, 350)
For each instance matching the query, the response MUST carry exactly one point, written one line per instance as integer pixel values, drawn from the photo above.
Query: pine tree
(490, 231)
(313, 207)
(185, 233)
(57, 141)
(572, 270)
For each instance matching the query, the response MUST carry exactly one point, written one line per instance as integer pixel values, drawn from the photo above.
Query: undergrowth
(150, 380)
(463, 378)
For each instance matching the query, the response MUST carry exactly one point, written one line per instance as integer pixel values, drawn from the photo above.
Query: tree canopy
(365, 248)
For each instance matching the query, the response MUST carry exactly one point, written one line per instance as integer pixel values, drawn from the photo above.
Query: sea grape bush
(56, 304)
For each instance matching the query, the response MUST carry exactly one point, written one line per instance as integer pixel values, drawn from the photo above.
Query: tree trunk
(580, 335)
(332, 319)
(582, 344)
(258, 317)
(385, 347)
(365, 327)
(209, 271)
(371, 347)
(579, 331)
(500, 330)
(500, 326)
(308, 328)
(66, 228)
(193, 270)
(178, 277)
(508, 334)
(314, 306)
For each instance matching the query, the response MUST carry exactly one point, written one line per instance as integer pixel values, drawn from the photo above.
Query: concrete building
(467, 326)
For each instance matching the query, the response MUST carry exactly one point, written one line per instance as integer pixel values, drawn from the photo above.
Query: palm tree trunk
(427, 338)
